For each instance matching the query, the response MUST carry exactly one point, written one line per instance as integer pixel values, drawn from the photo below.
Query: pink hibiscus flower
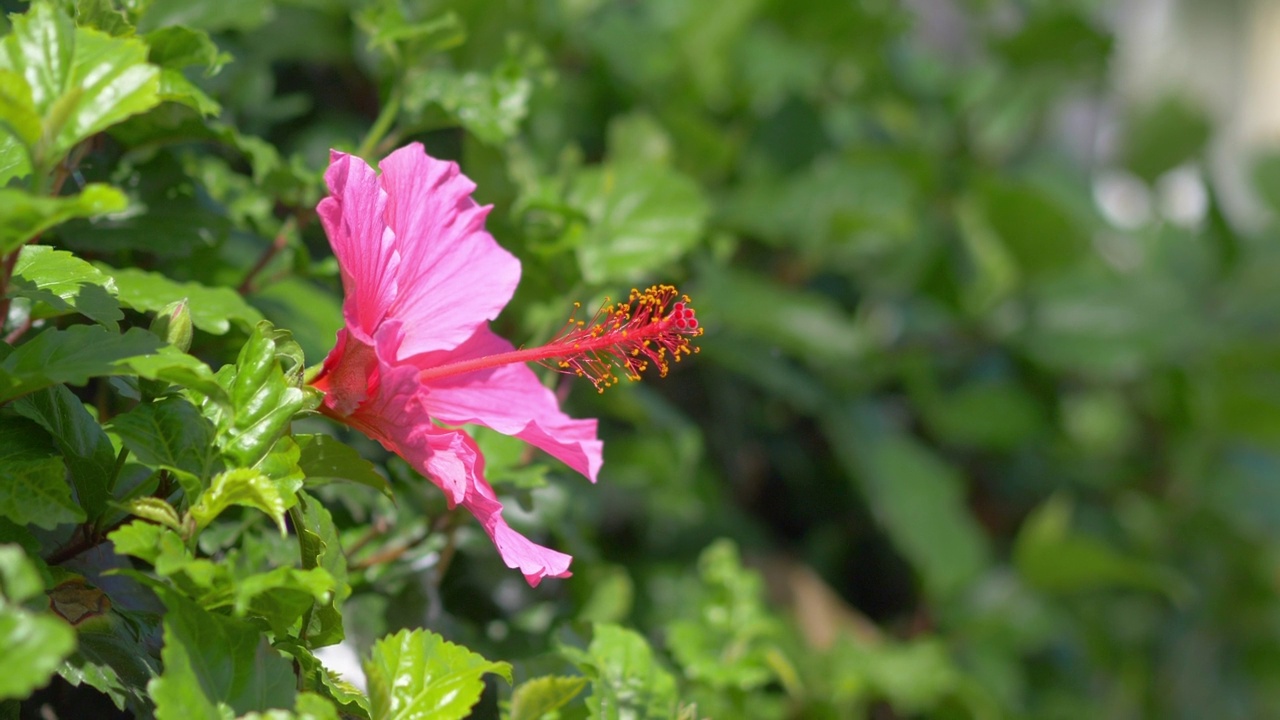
(423, 279)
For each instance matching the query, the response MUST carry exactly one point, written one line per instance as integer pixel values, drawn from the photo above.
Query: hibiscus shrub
(320, 319)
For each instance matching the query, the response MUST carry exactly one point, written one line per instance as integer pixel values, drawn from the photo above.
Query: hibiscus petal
(353, 217)
(451, 460)
(511, 400)
(453, 276)
(517, 551)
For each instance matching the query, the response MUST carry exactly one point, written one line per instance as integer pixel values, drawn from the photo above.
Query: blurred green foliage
(955, 445)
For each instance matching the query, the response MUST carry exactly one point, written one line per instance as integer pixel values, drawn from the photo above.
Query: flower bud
(173, 324)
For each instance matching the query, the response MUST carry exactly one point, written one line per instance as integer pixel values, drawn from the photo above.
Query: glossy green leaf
(534, 698)
(639, 218)
(176, 47)
(213, 309)
(212, 661)
(27, 215)
(18, 115)
(87, 451)
(171, 433)
(416, 673)
(35, 644)
(62, 283)
(82, 81)
(627, 681)
(325, 459)
(35, 489)
(241, 486)
(264, 400)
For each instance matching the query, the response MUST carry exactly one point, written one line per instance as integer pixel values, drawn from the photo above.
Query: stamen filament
(624, 336)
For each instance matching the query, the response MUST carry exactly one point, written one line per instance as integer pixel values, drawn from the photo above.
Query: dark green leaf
(325, 459)
(415, 674)
(1163, 136)
(1051, 557)
(321, 548)
(919, 500)
(85, 447)
(34, 490)
(211, 660)
(172, 434)
(83, 351)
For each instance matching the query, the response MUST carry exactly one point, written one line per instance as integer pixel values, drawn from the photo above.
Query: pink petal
(511, 400)
(451, 460)
(517, 551)
(453, 276)
(353, 217)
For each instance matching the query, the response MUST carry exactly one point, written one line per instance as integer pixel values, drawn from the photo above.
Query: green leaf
(263, 400)
(27, 215)
(35, 644)
(143, 540)
(176, 47)
(1039, 232)
(213, 309)
(730, 641)
(19, 578)
(321, 548)
(325, 459)
(210, 16)
(83, 351)
(211, 661)
(388, 27)
(157, 511)
(89, 455)
(919, 499)
(63, 283)
(626, 680)
(102, 15)
(241, 486)
(1163, 136)
(1054, 559)
(18, 114)
(34, 490)
(490, 107)
(82, 81)
(639, 218)
(171, 433)
(537, 697)
(417, 674)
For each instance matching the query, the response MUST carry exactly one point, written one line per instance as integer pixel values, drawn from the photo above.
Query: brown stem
(276, 247)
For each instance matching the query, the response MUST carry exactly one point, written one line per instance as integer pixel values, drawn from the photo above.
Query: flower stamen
(653, 328)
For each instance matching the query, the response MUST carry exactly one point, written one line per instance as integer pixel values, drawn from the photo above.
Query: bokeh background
(988, 402)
